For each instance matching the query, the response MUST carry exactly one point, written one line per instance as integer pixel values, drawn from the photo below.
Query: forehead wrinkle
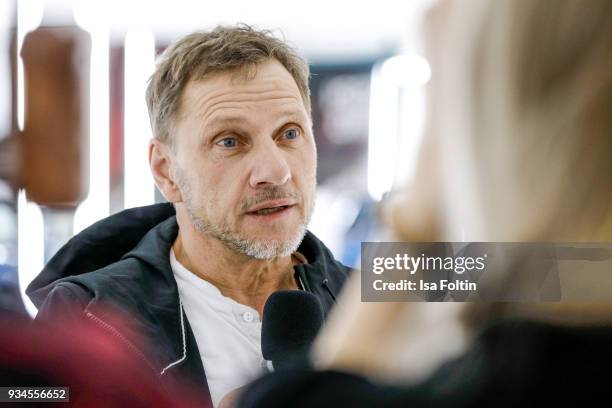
(250, 91)
(208, 103)
(210, 112)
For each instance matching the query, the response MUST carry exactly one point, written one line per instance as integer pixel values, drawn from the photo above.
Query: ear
(160, 161)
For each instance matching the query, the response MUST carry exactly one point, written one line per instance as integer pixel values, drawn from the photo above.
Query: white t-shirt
(228, 333)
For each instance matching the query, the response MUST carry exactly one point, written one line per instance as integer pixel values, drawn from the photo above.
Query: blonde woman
(519, 149)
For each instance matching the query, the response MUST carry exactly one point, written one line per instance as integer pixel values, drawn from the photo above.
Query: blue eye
(228, 142)
(291, 134)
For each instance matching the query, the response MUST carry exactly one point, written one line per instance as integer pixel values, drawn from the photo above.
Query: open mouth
(272, 210)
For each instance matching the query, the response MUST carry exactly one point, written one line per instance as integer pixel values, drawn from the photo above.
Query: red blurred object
(97, 367)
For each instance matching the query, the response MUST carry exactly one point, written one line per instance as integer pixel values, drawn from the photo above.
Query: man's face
(245, 161)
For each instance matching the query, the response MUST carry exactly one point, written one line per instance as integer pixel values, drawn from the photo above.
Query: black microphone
(291, 321)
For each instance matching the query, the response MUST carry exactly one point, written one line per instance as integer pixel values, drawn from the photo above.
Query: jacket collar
(144, 294)
(152, 302)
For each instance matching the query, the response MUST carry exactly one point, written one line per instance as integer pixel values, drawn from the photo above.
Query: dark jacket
(120, 266)
(513, 363)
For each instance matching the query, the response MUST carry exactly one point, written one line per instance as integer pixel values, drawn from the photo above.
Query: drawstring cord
(329, 290)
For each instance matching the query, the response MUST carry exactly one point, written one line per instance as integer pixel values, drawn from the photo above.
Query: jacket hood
(99, 245)
(120, 236)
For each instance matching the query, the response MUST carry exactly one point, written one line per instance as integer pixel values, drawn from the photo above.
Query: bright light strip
(30, 240)
(139, 65)
(96, 206)
(30, 244)
(406, 70)
(383, 133)
(397, 112)
(411, 129)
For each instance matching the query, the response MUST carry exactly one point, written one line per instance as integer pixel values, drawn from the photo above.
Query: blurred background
(74, 127)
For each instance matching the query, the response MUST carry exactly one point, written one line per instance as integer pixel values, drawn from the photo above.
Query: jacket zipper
(118, 335)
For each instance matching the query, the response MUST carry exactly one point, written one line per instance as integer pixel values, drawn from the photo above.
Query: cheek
(303, 172)
(311, 169)
(306, 176)
(306, 160)
(222, 189)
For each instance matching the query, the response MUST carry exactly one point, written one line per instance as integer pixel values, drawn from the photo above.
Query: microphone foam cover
(291, 321)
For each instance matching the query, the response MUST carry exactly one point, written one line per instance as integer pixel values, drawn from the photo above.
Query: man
(235, 155)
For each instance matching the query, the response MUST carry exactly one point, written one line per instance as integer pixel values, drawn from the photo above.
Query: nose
(270, 167)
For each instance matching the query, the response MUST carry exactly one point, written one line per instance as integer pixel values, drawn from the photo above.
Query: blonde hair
(519, 148)
(237, 50)
(541, 132)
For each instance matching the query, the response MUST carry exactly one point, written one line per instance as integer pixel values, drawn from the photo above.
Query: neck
(247, 280)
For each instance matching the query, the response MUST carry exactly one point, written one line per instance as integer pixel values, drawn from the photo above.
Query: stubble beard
(242, 243)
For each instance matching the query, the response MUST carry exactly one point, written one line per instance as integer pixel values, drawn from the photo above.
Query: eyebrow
(216, 124)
